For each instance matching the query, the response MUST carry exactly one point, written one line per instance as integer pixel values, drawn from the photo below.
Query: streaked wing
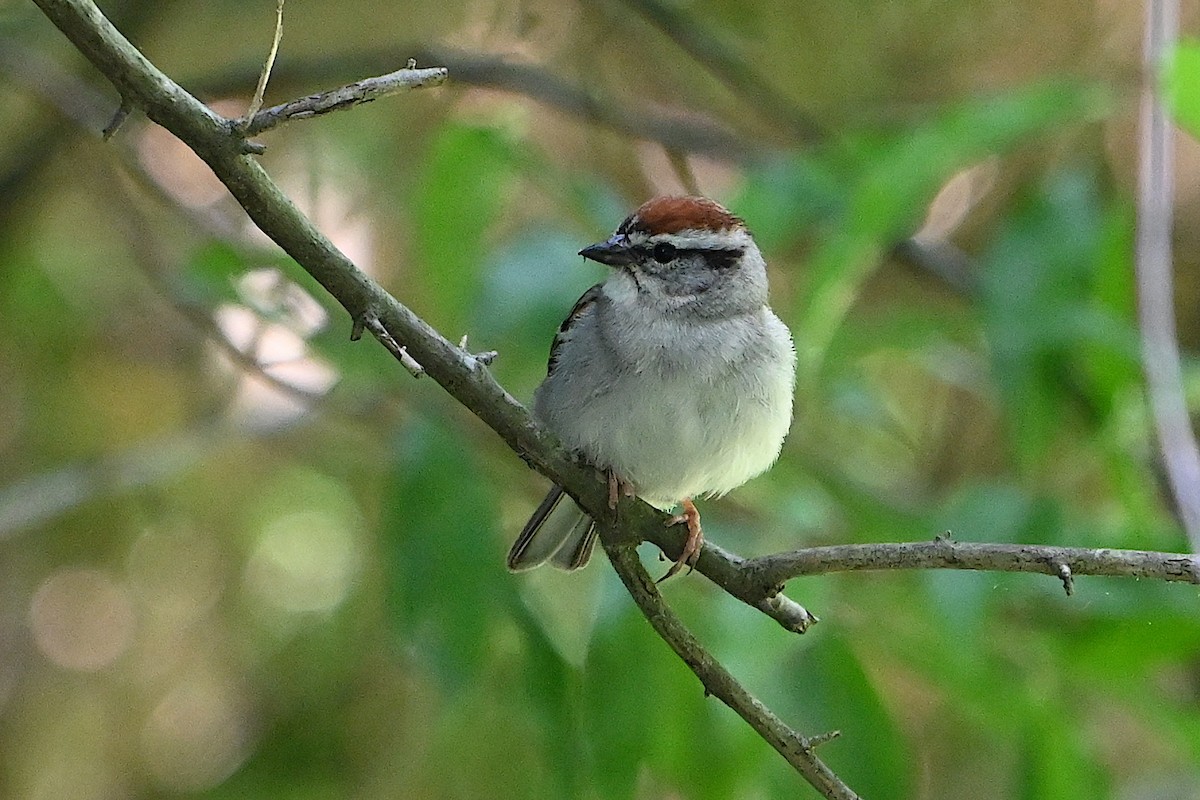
(582, 306)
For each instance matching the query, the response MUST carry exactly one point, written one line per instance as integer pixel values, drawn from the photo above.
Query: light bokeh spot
(196, 736)
(305, 561)
(82, 619)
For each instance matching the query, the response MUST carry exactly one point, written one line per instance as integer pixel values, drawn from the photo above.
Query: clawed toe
(616, 488)
(695, 539)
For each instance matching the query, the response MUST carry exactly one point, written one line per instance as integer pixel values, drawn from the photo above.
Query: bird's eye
(663, 252)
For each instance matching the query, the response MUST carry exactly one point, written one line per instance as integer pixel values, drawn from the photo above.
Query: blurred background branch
(1156, 289)
(711, 53)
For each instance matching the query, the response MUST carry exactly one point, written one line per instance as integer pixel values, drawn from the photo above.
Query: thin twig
(261, 89)
(717, 681)
(678, 134)
(758, 582)
(344, 97)
(1152, 250)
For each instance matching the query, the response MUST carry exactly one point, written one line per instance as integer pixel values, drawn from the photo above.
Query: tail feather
(577, 548)
(558, 532)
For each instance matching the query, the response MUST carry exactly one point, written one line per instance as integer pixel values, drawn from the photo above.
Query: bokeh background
(241, 556)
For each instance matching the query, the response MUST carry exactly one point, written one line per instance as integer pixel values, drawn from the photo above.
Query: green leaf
(211, 270)
(831, 692)
(900, 179)
(652, 727)
(783, 198)
(1041, 315)
(1055, 763)
(459, 198)
(445, 592)
(1180, 80)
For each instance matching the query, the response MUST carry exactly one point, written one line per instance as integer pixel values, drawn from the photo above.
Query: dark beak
(616, 252)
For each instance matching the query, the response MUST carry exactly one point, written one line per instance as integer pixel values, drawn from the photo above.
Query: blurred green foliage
(245, 557)
(1181, 84)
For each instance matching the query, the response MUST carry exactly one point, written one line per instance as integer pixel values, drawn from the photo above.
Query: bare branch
(344, 97)
(1063, 563)
(718, 682)
(691, 133)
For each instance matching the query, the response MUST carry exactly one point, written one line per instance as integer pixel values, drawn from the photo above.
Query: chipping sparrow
(673, 375)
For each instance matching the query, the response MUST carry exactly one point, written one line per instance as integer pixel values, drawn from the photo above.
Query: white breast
(678, 412)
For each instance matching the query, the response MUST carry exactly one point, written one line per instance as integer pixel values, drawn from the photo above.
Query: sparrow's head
(684, 254)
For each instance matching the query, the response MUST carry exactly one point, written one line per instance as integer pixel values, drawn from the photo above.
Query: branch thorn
(371, 322)
(788, 613)
(813, 742)
(483, 359)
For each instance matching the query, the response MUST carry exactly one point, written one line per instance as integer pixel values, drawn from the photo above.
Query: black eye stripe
(717, 257)
(723, 258)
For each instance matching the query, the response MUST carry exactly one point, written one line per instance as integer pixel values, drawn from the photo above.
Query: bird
(673, 375)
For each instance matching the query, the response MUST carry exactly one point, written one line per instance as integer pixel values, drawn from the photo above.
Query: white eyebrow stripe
(703, 240)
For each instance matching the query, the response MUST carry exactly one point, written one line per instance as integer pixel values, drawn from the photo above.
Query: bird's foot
(695, 539)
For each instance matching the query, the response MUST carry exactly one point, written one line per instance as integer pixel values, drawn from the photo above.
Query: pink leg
(617, 487)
